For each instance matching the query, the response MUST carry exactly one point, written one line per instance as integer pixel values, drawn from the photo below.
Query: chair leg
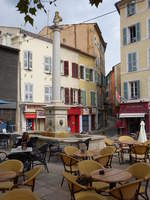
(62, 181)
(46, 167)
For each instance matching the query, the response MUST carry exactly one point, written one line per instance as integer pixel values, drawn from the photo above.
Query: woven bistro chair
(139, 152)
(70, 150)
(70, 164)
(11, 165)
(141, 170)
(111, 143)
(76, 189)
(103, 159)
(109, 151)
(19, 194)
(86, 167)
(125, 148)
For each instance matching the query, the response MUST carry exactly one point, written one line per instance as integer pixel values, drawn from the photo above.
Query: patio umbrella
(142, 135)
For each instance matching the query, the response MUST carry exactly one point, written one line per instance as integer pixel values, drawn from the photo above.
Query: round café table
(111, 176)
(6, 175)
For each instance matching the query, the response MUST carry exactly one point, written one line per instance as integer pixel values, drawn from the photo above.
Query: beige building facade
(135, 63)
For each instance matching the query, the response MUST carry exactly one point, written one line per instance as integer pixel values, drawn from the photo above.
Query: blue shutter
(125, 90)
(124, 36)
(134, 62)
(138, 34)
(138, 89)
(129, 62)
(149, 28)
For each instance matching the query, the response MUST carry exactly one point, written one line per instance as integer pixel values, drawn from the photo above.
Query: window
(131, 8)
(47, 64)
(66, 95)
(28, 92)
(134, 33)
(83, 97)
(74, 70)
(91, 74)
(27, 60)
(75, 96)
(93, 98)
(132, 62)
(64, 67)
(131, 34)
(48, 94)
(134, 90)
(82, 72)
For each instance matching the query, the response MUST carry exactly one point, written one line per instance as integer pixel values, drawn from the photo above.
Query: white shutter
(25, 58)
(30, 59)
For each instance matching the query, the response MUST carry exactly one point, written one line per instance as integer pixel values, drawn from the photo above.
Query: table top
(7, 175)
(20, 150)
(112, 175)
(89, 153)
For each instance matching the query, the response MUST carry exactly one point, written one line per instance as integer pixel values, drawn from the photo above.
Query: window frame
(127, 58)
(49, 94)
(28, 92)
(49, 71)
(91, 98)
(29, 60)
(134, 96)
(127, 7)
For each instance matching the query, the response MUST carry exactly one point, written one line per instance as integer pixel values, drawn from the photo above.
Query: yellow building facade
(135, 63)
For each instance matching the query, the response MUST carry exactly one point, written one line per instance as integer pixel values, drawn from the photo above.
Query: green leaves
(30, 8)
(95, 2)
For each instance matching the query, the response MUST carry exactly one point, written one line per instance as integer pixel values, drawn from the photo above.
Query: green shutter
(78, 71)
(84, 98)
(125, 90)
(138, 89)
(129, 62)
(124, 36)
(87, 74)
(138, 34)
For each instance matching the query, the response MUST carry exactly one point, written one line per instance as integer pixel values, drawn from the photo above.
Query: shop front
(130, 116)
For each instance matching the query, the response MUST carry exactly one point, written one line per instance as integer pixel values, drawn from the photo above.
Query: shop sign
(40, 114)
(85, 111)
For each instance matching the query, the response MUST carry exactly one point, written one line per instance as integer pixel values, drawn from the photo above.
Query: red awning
(74, 111)
(133, 108)
(30, 115)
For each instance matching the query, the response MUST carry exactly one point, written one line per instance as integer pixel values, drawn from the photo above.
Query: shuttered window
(28, 92)
(66, 95)
(132, 62)
(47, 64)
(124, 36)
(91, 74)
(93, 98)
(27, 56)
(125, 90)
(66, 68)
(131, 8)
(134, 89)
(87, 74)
(48, 94)
(149, 28)
(83, 97)
(82, 75)
(79, 96)
(74, 70)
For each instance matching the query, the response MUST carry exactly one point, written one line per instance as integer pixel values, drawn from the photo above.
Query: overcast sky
(72, 11)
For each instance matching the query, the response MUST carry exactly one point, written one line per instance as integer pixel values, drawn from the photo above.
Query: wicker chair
(103, 159)
(70, 164)
(109, 151)
(141, 171)
(70, 150)
(19, 194)
(86, 167)
(139, 152)
(76, 189)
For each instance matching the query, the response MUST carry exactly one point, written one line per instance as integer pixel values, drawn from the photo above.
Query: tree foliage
(30, 7)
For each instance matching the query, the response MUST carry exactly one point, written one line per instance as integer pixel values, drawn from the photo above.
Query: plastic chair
(141, 170)
(86, 167)
(69, 163)
(38, 157)
(19, 194)
(70, 150)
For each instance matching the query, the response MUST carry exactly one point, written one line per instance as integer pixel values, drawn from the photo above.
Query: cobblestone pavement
(48, 184)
